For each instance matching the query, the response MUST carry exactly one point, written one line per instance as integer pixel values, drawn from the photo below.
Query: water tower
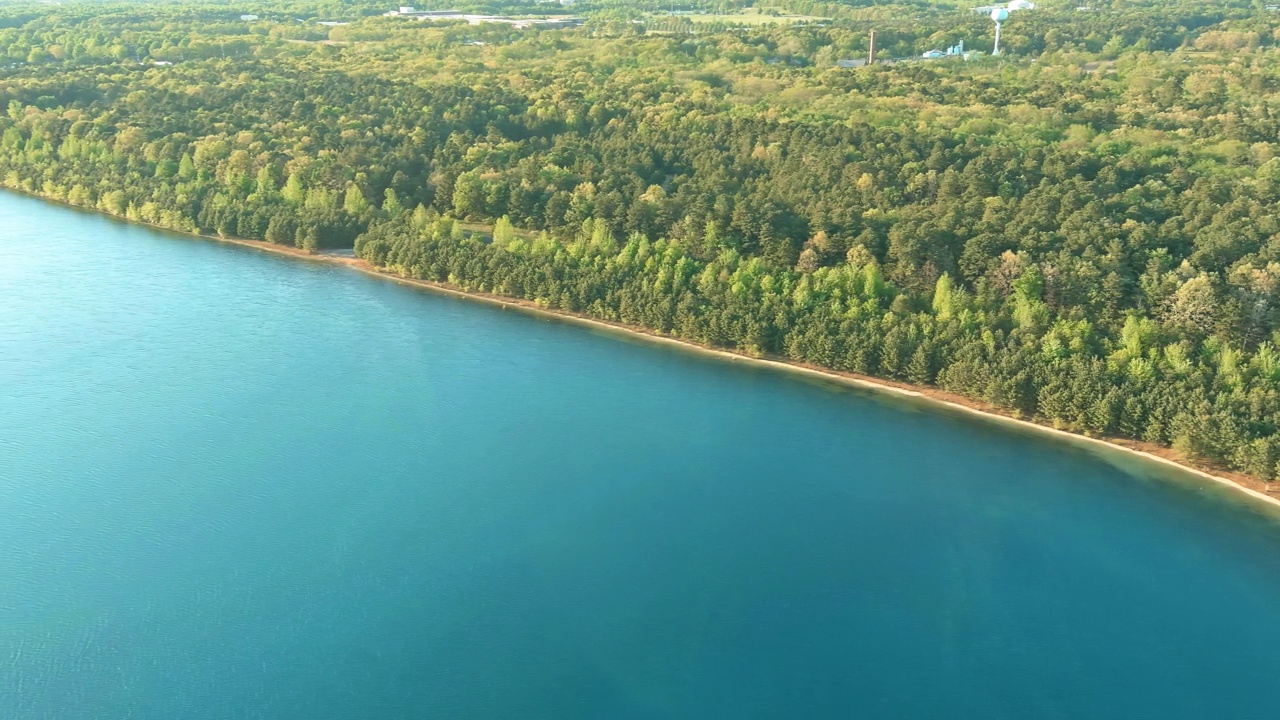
(999, 15)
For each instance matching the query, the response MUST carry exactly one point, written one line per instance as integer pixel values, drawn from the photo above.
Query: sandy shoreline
(1161, 457)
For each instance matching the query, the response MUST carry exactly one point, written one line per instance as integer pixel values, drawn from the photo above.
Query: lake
(236, 485)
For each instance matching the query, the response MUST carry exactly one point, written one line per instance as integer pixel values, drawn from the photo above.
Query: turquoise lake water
(235, 485)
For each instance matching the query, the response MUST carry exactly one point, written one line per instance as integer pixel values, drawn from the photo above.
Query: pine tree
(918, 370)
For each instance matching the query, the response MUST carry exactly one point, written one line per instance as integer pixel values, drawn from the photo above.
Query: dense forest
(1084, 230)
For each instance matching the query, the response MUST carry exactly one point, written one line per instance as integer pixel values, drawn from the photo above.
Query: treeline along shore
(1089, 241)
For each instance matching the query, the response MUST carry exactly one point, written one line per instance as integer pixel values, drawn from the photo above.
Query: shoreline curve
(1164, 458)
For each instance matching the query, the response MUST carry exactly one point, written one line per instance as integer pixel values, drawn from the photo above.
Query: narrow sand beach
(928, 396)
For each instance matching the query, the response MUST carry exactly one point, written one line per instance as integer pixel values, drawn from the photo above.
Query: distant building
(563, 23)
(248, 18)
(956, 50)
(854, 63)
(410, 12)
(549, 23)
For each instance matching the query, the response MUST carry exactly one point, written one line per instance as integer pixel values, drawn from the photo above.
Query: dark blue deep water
(234, 485)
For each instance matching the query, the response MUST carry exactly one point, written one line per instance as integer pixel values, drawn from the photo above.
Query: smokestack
(871, 54)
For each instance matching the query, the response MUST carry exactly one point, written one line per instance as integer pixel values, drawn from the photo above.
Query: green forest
(1083, 230)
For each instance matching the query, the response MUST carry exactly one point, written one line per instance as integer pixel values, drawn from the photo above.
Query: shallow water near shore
(234, 485)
